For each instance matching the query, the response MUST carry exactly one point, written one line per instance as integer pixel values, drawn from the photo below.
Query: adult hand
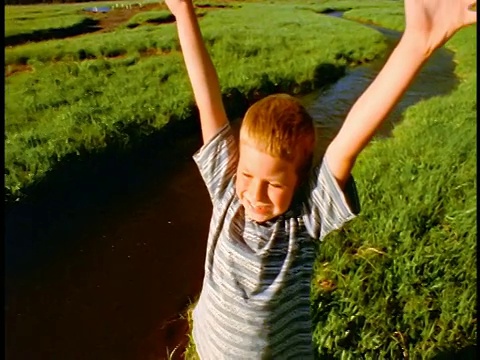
(433, 22)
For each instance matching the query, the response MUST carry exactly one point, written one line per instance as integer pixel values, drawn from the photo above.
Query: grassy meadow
(82, 94)
(397, 282)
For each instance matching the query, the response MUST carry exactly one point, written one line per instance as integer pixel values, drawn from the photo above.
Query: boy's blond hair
(281, 127)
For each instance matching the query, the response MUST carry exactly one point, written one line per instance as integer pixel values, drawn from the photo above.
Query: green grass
(190, 351)
(34, 12)
(110, 44)
(386, 6)
(388, 13)
(40, 19)
(68, 106)
(377, 16)
(404, 273)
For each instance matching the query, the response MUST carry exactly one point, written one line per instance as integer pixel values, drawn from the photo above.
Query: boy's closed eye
(272, 184)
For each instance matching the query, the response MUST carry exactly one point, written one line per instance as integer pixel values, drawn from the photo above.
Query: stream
(103, 269)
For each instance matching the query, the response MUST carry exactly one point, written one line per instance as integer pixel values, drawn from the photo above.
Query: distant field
(38, 22)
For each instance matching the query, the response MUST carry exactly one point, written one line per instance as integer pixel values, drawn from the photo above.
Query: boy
(269, 206)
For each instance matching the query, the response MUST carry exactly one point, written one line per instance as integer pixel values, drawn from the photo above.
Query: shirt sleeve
(217, 161)
(327, 207)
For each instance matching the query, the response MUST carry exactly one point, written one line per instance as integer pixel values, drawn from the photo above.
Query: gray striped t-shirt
(255, 299)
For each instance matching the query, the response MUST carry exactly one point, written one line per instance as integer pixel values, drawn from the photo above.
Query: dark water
(103, 279)
(101, 268)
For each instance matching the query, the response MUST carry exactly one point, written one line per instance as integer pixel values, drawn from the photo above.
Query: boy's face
(265, 185)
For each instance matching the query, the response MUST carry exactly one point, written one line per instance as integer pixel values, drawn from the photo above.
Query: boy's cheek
(281, 200)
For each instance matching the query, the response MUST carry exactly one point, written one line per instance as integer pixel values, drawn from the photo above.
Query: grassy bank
(83, 94)
(399, 281)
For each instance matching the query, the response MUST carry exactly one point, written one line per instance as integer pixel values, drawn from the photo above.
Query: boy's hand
(433, 22)
(177, 6)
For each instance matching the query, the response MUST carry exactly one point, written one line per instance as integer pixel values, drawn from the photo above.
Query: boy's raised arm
(200, 69)
(429, 24)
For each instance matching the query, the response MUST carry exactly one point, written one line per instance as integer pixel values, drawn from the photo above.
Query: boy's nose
(256, 191)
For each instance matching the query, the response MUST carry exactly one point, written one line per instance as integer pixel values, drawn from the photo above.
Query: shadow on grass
(88, 25)
(467, 353)
(157, 21)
